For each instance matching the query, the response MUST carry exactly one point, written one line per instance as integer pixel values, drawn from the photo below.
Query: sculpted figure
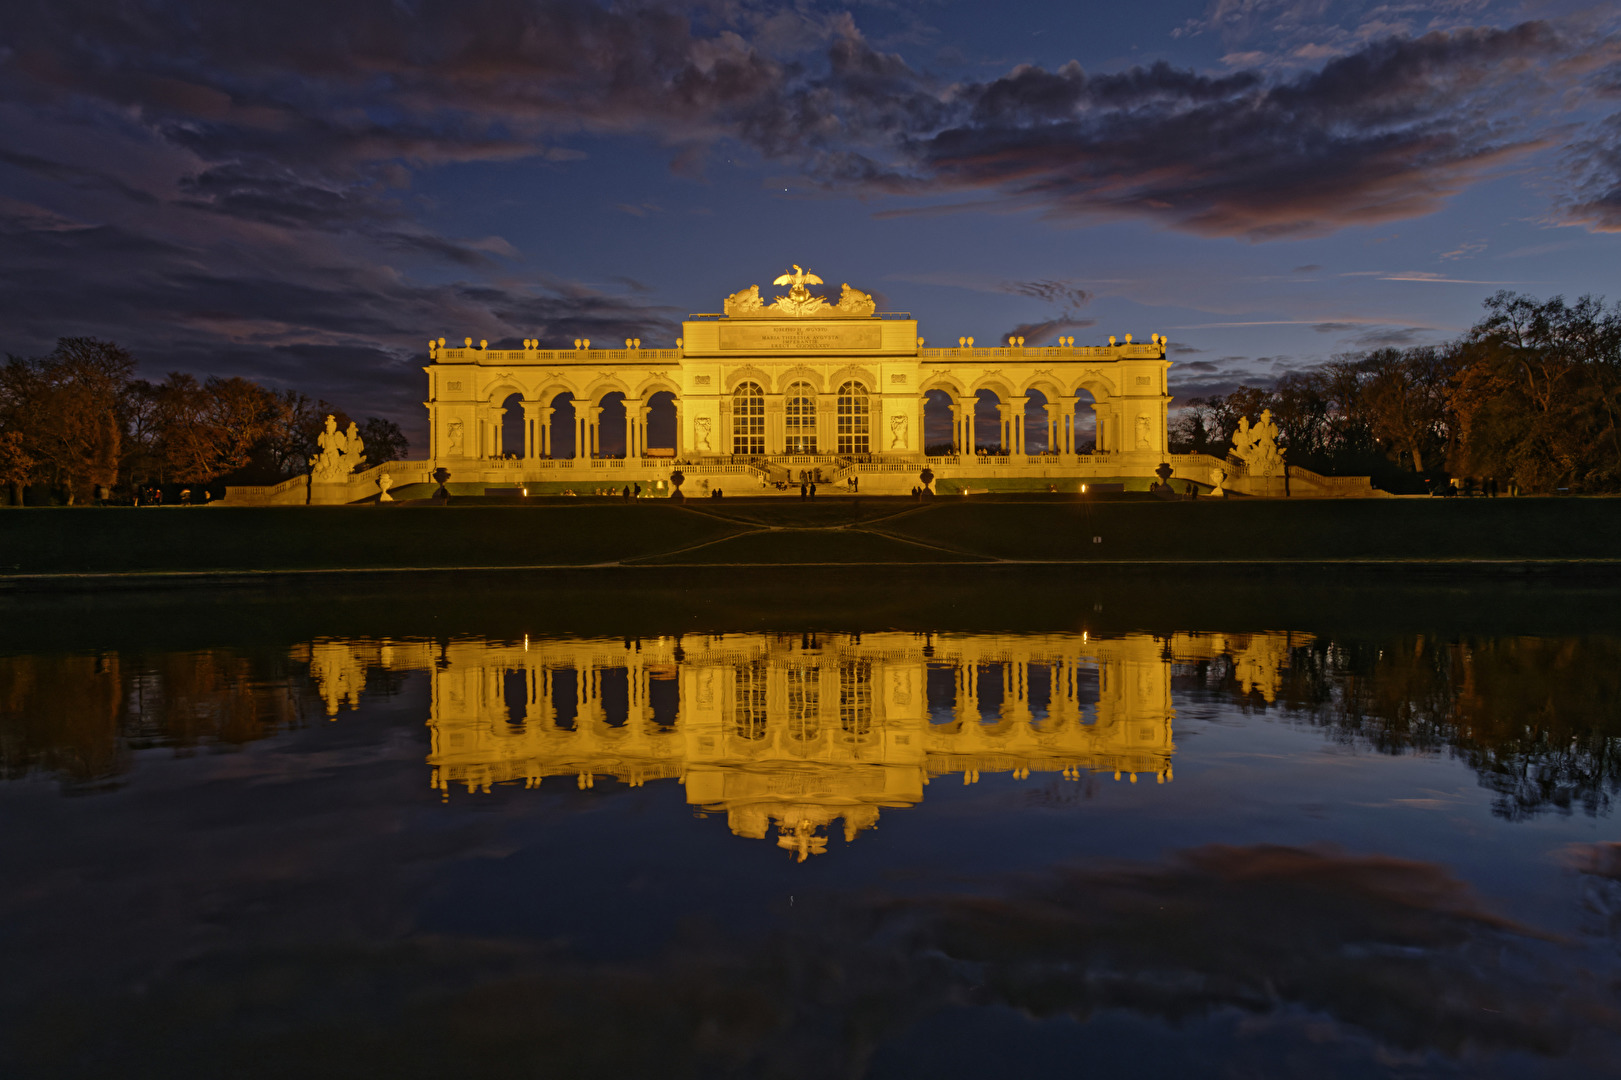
(799, 300)
(745, 302)
(352, 447)
(453, 438)
(701, 427)
(1257, 447)
(327, 466)
(1142, 432)
(897, 431)
(855, 302)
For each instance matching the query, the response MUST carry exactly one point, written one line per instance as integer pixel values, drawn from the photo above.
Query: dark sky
(304, 192)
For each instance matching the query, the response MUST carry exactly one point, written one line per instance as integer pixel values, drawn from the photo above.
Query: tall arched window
(748, 420)
(801, 419)
(855, 420)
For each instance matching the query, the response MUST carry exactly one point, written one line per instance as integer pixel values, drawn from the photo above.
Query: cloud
(1063, 293)
(1039, 333)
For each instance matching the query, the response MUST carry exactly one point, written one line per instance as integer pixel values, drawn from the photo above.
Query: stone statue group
(341, 453)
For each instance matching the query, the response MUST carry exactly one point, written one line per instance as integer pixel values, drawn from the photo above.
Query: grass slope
(43, 541)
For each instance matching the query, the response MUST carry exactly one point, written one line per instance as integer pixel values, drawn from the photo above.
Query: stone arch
(939, 435)
(988, 400)
(800, 373)
(1050, 387)
(600, 389)
(946, 383)
(656, 384)
(849, 373)
(1099, 386)
(504, 389)
(611, 424)
(747, 374)
(996, 384)
(511, 424)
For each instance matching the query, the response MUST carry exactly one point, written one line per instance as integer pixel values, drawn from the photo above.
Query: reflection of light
(1083, 489)
(526, 492)
(790, 734)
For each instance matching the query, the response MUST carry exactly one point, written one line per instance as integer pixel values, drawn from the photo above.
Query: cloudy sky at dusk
(305, 192)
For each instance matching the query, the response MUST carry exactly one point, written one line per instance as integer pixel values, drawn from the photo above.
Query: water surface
(1335, 847)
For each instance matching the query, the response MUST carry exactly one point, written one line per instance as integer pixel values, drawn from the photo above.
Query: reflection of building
(792, 731)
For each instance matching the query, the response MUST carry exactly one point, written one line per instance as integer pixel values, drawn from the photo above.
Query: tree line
(77, 426)
(1530, 395)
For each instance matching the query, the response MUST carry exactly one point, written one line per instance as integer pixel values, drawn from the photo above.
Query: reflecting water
(814, 853)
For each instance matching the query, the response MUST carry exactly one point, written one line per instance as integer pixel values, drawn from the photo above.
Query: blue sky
(304, 193)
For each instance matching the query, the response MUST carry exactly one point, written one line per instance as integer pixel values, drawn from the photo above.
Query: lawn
(773, 532)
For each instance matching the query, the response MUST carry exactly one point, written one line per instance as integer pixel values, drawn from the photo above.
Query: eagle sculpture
(799, 277)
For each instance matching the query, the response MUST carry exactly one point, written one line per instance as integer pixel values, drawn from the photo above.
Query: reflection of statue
(701, 428)
(897, 429)
(340, 453)
(746, 302)
(1257, 447)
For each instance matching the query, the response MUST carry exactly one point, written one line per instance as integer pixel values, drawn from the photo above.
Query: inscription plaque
(822, 337)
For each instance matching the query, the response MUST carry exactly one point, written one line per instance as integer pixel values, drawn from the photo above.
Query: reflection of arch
(854, 419)
(799, 418)
(748, 419)
(749, 701)
(855, 698)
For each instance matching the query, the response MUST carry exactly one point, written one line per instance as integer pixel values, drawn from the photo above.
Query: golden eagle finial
(798, 277)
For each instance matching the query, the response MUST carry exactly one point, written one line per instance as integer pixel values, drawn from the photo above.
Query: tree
(65, 407)
(16, 465)
(384, 441)
(1406, 395)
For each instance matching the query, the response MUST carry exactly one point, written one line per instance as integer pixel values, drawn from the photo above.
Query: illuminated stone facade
(766, 394)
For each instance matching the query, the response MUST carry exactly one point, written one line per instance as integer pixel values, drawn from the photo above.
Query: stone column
(965, 407)
(582, 444)
(776, 431)
(680, 429)
(1066, 421)
(634, 411)
(531, 429)
(544, 429)
(1016, 408)
(596, 431)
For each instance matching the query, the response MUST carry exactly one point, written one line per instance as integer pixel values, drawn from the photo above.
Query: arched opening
(511, 444)
(804, 704)
(854, 419)
(661, 422)
(855, 698)
(799, 418)
(613, 688)
(988, 422)
(562, 425)
(611, 425)
(748, 420)
(1086, 422)
(1039, 436)
(517, 692)
(938, 440)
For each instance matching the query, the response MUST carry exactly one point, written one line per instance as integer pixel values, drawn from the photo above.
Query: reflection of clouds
(1389, 958)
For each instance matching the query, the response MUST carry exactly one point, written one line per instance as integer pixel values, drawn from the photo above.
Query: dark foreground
(45, 547)
(1112, 822)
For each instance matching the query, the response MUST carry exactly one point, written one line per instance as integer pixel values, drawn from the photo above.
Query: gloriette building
(800, 386)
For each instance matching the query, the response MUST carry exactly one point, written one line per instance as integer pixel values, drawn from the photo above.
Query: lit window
(801, 419)
(855, 421)
(748, 420)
